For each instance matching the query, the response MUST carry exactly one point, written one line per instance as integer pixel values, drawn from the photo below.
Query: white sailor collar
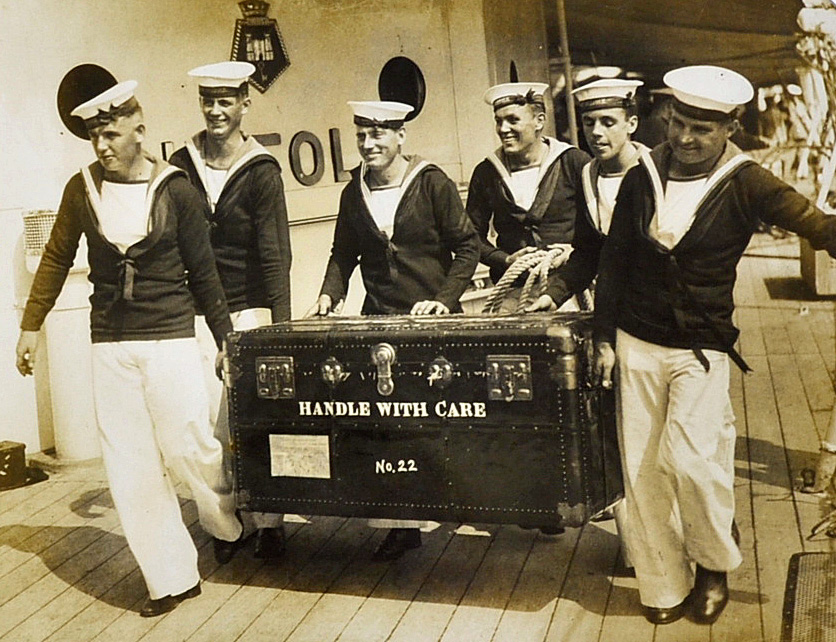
(556, 149)
(248, 151)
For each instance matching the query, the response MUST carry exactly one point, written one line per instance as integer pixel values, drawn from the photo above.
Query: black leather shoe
(224, 550)
(153, 608)
(709, 597)
(269, 543)
(552, 530)
(663, 616)
(398, 541)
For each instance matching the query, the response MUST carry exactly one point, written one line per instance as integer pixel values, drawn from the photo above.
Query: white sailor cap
(222, 77)
(707, 92)
(606, 93)
(515, 93)
(379, 113)
(107, 101)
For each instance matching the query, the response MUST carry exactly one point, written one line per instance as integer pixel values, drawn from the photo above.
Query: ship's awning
(755, 37)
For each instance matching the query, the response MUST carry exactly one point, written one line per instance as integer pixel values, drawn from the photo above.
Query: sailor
(241, 183)
(401, 220)
(609, 118)
(530, 188)
(663, 318)
(146, 233)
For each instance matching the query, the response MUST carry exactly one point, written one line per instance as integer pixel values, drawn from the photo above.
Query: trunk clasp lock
(333, 372)
(274, 377)
(509, 377)
(440, 373)
(384, 356)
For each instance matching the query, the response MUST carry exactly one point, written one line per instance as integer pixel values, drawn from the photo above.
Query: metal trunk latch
(509, 377)
(440, 373)
(333, 372)
(274, 377)
(383, 356)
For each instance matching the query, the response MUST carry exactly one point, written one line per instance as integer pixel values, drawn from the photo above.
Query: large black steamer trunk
(460, 418)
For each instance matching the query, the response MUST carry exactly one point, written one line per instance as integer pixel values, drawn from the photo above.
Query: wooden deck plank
(128, 626)
(623, 619)
(14, 497)
(115, 614)
(96, 618)
(823, 327)
(380, 613)
(801, 443)
(47, 495)
(336, 607)
(478, 614)
(31, 536)
(583, 600)
(751, 338)
(744, 290)
(531, 606)
(69, 541)
(775, 525)
(67, 604)
(818, 386)
(799, 332)
(427, 616)
(246, 604)
(774, 331)
(68, 601)
(290, 605)
(51, 584)
(753, 270)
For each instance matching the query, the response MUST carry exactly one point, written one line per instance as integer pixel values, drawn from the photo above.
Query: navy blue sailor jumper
(148, 292)
(248, 226)
(550, 219)
(432, 254)
(683, 297)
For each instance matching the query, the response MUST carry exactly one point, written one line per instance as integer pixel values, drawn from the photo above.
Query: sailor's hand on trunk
(429, 307)
(602, 367)
(321, 308)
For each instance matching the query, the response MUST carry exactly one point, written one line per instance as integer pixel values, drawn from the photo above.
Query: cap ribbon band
(106, 116)
(606, 103)
(221, 92)
(698, 113)
(530, 98)
(362, 121)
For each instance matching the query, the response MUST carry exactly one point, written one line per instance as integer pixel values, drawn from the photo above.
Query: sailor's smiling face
(518, 127)
(223, 114)
(696, 142)
(608, 130)
(379, 146)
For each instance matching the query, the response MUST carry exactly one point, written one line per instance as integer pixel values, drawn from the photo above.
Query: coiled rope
(537, 264)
